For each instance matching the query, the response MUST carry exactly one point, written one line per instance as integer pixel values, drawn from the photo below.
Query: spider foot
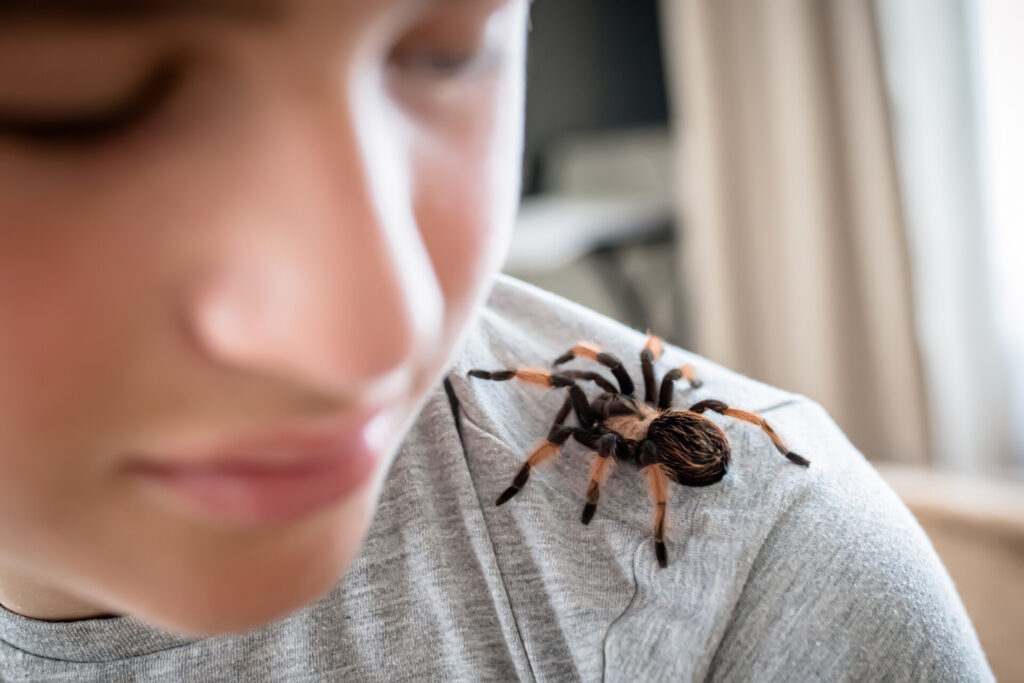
(588, 512)
(661, 553)
(798, 459)
(496, 375)
(524, 474)
(506, 495)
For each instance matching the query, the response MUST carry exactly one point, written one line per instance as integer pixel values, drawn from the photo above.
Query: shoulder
(846, 585)
(775, 570)
(523, 325)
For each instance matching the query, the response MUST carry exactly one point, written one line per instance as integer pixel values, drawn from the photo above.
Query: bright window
(998, 29)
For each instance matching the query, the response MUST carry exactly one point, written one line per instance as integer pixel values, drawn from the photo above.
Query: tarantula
(662, 441)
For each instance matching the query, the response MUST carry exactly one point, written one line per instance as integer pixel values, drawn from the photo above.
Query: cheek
(79, 277)
(466, 191)
(82, 241)
(63, 322)
(460, 238)
(51, 332)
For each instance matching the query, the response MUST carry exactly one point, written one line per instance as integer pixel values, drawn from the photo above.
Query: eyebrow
(99, 11)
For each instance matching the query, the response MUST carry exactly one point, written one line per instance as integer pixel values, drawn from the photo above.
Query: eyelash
(445, 65)
(98, 126)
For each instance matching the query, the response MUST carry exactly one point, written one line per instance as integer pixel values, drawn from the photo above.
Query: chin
(249, 582)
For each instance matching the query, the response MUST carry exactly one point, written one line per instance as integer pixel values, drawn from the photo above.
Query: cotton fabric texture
(776, 573)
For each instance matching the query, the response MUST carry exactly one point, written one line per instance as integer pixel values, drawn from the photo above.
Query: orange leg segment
(656, 482)
(539, 455)
(754, 419)
(599, 471)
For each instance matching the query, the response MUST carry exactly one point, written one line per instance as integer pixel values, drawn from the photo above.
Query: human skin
(299, 232)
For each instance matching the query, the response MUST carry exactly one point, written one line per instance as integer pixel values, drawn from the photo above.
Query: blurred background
(824, 195)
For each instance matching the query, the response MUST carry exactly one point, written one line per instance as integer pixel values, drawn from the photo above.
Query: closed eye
(94, 125)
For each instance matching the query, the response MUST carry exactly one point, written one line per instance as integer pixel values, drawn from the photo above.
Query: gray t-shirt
(775, 573)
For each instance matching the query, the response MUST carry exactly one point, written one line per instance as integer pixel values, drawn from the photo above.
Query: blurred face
(238, 242)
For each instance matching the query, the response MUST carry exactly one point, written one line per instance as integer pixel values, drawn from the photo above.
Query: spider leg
(650, 353)
(687, 372)
(576, 400)
(563, 412)
(590, 350)
(595, 377)
(539, 454)
(544, 378)
(752, 418)
(559, 431)
(599, 471)
(656, 482)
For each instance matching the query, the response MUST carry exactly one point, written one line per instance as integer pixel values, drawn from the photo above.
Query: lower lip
(241, 498)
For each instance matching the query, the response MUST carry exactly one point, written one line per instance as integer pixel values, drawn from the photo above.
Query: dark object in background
(591, 65)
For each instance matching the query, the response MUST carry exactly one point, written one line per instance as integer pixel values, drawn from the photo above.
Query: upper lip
(286, 450)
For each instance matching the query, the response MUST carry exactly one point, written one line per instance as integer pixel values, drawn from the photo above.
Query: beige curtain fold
(793, 252)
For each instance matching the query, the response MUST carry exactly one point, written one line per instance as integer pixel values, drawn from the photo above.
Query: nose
(319, 275)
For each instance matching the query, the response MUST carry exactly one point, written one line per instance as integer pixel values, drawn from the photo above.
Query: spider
(662, 441)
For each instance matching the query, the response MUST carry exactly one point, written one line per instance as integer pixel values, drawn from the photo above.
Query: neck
(37, 600)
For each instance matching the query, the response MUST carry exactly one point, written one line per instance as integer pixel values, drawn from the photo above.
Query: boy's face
(238, 242)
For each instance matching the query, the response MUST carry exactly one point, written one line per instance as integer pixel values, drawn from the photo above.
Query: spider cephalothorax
(664, 442)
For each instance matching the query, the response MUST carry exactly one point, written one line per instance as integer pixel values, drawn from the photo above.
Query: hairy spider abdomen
(692, 448)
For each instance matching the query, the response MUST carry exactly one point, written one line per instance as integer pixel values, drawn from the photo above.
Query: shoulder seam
(453, 403)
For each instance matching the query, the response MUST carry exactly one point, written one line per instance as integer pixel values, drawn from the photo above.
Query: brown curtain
(793, 253)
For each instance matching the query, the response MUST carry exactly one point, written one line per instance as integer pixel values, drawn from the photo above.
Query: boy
(241, 244)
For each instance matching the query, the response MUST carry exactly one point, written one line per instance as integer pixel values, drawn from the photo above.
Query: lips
(268, 479)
